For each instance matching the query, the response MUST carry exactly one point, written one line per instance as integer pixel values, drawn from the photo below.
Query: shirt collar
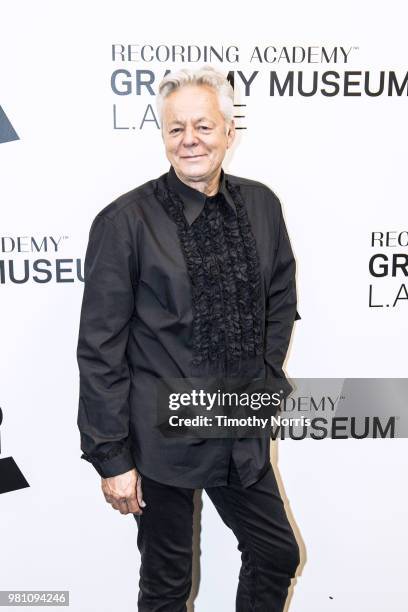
(194, 200)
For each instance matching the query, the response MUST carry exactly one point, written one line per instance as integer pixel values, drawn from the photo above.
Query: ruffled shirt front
(223, 265)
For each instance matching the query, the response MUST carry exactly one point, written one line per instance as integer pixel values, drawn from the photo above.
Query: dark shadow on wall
(198, 508)
(291, 519)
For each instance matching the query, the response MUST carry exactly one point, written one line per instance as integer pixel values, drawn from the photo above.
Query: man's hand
(124, 492)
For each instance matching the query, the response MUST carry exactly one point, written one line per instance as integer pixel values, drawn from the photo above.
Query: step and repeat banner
(320, 99)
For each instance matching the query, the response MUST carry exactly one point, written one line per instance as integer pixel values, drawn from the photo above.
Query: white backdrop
(338, 165)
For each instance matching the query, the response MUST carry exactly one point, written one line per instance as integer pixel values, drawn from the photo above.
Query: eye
(205, 128)
(175, 130)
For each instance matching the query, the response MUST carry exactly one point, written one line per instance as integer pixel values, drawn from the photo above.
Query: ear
(230, 133)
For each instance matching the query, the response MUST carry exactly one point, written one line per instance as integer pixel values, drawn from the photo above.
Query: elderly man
(188, 275)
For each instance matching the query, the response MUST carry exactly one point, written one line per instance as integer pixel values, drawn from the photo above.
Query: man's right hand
(124, 492)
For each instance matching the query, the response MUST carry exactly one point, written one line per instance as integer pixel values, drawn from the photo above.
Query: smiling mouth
(192, 156)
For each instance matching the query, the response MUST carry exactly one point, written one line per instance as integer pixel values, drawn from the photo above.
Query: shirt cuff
(114, 463)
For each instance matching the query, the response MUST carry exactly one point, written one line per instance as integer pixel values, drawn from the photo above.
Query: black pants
(256, 515)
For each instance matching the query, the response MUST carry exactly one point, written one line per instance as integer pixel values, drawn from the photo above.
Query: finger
(134, 508)
(122, 506)
(118, 504)
(108, 497)
(132, 504)
(139, 492)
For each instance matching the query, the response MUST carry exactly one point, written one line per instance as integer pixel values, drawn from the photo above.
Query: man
(188, 275)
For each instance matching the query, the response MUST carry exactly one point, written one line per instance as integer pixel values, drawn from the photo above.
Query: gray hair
(206, 75)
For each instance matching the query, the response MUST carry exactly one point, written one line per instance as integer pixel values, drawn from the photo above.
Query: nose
(189, 137)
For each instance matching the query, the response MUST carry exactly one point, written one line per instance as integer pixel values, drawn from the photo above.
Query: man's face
(194, 132)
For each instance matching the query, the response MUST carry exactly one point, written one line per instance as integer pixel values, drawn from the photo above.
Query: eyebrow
(178, 122)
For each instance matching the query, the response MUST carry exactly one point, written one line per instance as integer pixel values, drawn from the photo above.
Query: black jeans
(256, 515)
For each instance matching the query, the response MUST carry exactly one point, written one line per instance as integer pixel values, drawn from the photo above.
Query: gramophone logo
(7, 132)
(11, 477)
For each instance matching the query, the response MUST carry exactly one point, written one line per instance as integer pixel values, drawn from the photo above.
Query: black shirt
(180, 284)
